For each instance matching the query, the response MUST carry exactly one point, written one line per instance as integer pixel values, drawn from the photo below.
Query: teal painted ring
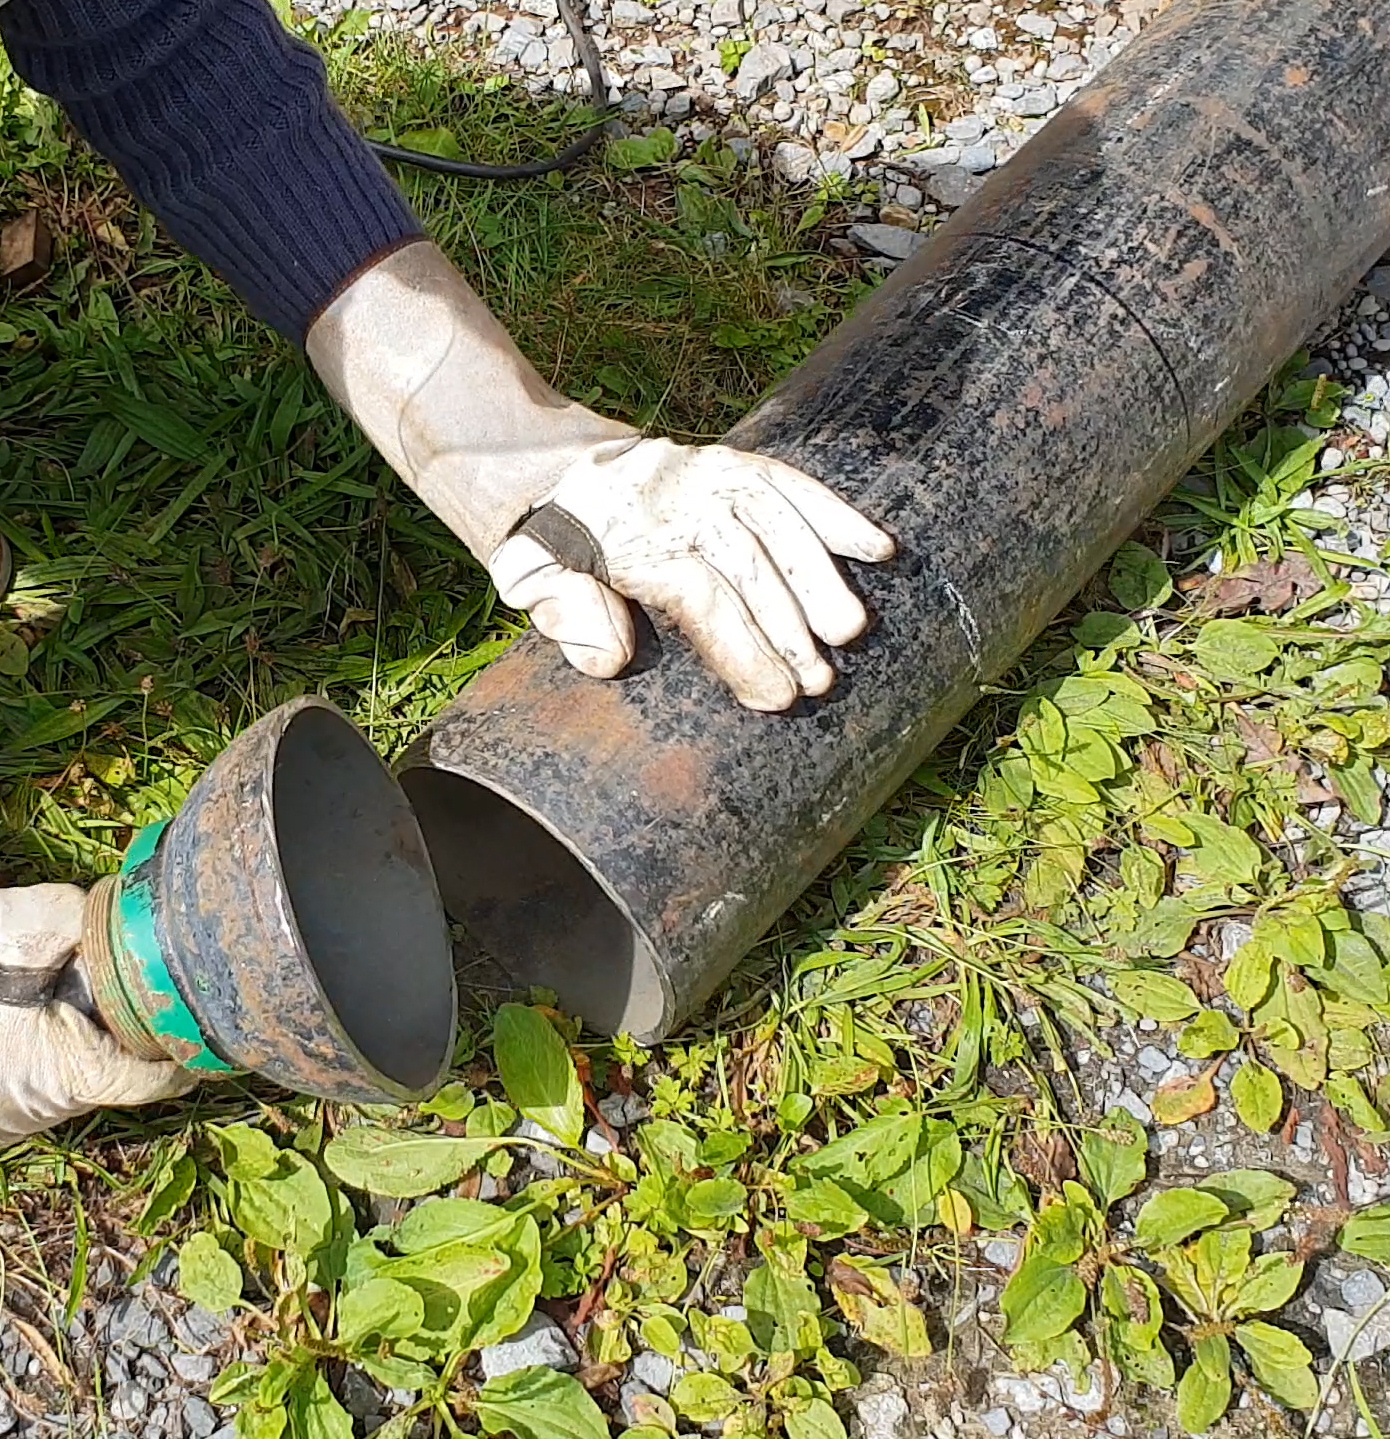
(168, 1017)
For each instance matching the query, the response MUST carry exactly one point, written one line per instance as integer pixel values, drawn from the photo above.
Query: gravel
(540, 1341)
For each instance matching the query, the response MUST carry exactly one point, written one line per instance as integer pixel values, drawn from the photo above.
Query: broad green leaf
(783, 1309)
(1155, 996)
(396, 1373)
(442, 1221)
(454, 1102)
(937, 1162)
(174, 1190)
(315, 1412)
(1204, 1391)
(1132, 1300)
(822, 1210)
(998, 1198)
(811, 1419)
(704, 1398)
(1152, 1365)
(490, 1120)
(1112, 1157)
(1346, 1092)
(1064, 1230)
(236, 1384)
(289, 1209)
(1103, 629)
(724, 1147)
(1281, 1363)
(1356, 783)
(728, 1341)
(1368, 1234)
(1348, 1049)
(660, 1333)
(474, 1294)
(253, 1421)
(639, 152)
(1220, 1258)
(1139, 580)
(538, 1072)
(1269, 1284)
(1042, 1300)
(208, 1275)
(1249, 974)
(1162, 931)
(247, 1153)
(1355, 969)
(1212, 1032)
(1168, 1218)
(713, 1199)
(1293, 933)
(385, 1308)
(538, 1403)
(883, 1316)
(437, 141)
(14, 655)
(1257, 1095)
(1222, 853)
(1234, 649)
(401, 1164)
(870, 1154)
(843, 1074)
(1255, 1196)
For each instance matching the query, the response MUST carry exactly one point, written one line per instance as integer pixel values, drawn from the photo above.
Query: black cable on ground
(593, 66)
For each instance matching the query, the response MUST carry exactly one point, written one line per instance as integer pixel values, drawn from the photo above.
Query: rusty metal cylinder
(1009, 405)
(284, 922)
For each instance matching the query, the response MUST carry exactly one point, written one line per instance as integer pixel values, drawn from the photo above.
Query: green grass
(201, 534)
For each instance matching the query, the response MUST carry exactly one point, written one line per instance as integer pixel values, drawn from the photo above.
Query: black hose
(593, 66)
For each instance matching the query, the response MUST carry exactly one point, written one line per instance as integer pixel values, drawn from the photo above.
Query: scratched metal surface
(1009, 405)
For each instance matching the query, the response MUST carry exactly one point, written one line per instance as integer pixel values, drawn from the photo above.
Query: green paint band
(168, 1018)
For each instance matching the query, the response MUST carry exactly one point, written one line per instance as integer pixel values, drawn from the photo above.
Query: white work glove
(55, 1063)
(569, 511)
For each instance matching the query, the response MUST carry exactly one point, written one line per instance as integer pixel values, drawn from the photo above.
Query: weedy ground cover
(895, 1073)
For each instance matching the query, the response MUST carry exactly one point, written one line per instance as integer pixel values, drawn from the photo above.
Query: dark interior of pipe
(360, 884)
(532, 905)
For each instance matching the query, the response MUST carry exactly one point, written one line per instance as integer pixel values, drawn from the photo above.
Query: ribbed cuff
(222, 124)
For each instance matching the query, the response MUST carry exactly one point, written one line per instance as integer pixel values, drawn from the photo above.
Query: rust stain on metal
(1185, 279)
(1208, 219)
(676, 779)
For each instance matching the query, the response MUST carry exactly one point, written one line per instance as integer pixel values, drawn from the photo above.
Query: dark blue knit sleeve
(222, 124)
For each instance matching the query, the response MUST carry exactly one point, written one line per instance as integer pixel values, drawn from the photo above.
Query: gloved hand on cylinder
(570, 512)
(56, 1063)
(222, 123)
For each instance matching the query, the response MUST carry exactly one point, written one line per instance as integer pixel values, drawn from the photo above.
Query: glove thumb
(591, 624)
(95, 1072)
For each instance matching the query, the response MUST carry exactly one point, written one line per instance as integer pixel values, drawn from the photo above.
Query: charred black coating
(1009, 405)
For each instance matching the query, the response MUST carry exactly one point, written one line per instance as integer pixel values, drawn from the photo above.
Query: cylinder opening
(358, 879)
(533, 906)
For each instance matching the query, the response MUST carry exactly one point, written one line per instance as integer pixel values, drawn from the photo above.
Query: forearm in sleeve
(222, 124)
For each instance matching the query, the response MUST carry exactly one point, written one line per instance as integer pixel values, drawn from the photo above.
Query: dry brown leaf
(1047, 1162)
(1270, 586)
(1185, 1099)
(1263, 742)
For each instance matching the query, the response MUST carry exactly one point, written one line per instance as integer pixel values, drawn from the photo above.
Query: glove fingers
(842, 529)
(94, 1071)
(591, 624)
(724, 632)
(40, 925)
(734, 551)
(830, 607)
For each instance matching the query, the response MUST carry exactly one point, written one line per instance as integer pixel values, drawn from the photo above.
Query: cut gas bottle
(286, 922)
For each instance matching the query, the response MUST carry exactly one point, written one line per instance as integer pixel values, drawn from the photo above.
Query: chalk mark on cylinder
(970, 631)
(1111, 295)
